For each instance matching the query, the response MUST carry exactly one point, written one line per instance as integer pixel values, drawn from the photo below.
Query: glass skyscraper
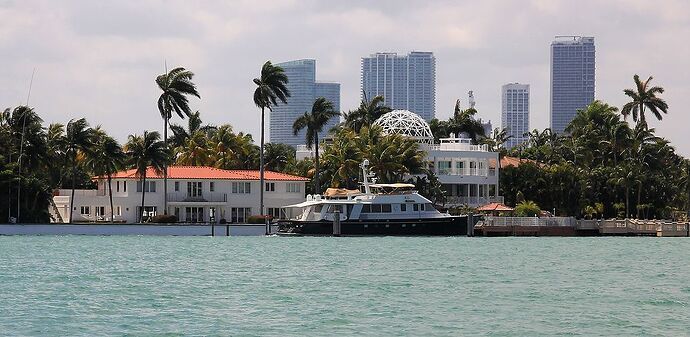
(405, 82)
(572, 78)
(304, 90)
(515, 112)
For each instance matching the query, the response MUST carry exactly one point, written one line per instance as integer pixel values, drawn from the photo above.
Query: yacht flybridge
(382, 209)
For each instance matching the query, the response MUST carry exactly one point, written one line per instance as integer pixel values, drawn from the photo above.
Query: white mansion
(195, 195)
(468, 172)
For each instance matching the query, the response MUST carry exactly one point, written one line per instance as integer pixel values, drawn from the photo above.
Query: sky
(99, 59)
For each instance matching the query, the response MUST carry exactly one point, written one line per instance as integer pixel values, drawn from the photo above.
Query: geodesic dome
(406, 123)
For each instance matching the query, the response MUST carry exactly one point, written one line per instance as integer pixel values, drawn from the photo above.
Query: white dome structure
(406, 123)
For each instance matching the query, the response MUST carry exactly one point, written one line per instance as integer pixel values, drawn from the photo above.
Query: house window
(276, 213)
(212, 186)
(240, 214)
(460, 167)
(118, 211)
(241, 188)
(293, 188)
(177, 212)
(100, 211)
(150, 186)
(85, 210)
(194, 189)
(270, 187)
(177, 186)
(194, 214)
(124, 186)
(117, 183)
(444, 167)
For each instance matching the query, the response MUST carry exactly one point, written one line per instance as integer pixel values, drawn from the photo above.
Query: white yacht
(382, 209)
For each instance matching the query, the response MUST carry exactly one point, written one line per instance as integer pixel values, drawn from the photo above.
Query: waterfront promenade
(568, 226)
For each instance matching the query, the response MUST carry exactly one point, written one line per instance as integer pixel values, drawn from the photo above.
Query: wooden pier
(568, 226)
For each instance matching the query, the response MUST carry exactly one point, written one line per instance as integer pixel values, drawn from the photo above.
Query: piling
(227, 230)
(470, 224)
(213, 230)
(336, 223)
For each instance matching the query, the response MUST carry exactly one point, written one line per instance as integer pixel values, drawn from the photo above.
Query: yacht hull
(456, 225)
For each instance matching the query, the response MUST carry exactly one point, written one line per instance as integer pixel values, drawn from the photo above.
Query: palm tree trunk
(261, 171)
(165, 166)
(317, 185)
(71, 199)
(627, 201)
(639, 197)
(143, 194)
(110, 194)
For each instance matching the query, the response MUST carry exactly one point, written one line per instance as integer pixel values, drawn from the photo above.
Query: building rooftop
(206, 172)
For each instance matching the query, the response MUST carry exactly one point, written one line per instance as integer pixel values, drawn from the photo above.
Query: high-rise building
(304, 90)
(405, 82)
(515, 112)
(572, 78)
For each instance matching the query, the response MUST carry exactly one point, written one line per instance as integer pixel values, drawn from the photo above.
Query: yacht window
(376, 208)
(415, 207)
(386, 208)
(428, 207)
(366, 208)
(332, 208)
(318, 208)
(349, 210)
(403, 208)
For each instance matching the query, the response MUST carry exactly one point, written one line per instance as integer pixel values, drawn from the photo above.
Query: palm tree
(194, 124)
(463, 121)
(278, 156)
(78, 141)
(366, 113)
(270, 88)
(195, 151)
(321, 112)
(176, 86)
(644, 97)
(145, 152)
(105, 159)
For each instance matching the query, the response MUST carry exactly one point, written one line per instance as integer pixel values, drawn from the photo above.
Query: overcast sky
(98, 59)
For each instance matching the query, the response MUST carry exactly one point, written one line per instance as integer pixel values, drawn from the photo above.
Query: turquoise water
(204, 286)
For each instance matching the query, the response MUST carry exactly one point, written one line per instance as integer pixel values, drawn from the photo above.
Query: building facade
(196, 194)
(406, 82)
(572, 78)
(304, 90)
(515, 113)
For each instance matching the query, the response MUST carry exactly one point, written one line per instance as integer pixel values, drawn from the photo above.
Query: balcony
(482, 172)
(205, 198)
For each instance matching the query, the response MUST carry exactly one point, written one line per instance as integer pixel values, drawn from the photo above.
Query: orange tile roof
(511, 161)
(205, 172)
(494, 206)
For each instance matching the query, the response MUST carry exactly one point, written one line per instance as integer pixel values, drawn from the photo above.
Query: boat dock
(568, 226)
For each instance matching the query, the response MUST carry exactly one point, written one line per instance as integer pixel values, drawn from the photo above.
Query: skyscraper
(406, 82)
(572, 78)
(304, 90)
(515, 112)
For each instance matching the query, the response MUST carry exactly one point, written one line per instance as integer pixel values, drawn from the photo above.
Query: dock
(569, 226)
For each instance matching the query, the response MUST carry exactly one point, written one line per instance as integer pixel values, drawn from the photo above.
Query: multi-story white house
(196, 194)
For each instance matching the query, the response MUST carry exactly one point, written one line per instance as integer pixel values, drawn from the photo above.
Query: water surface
(206, 286)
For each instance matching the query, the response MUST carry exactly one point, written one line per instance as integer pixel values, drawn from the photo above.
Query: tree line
(601, 160)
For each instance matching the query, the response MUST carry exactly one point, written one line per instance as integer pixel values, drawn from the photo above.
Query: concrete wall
(110, 229)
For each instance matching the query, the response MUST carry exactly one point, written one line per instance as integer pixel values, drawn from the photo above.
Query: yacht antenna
(21, 147)
(365, 172)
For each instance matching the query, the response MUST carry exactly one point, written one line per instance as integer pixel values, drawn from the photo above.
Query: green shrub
(527, 208)
(163, 218)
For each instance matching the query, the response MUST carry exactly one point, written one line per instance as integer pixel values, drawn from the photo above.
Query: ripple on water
(178, 286)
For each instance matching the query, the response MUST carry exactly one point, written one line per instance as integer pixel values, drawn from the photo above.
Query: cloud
(98, 59)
